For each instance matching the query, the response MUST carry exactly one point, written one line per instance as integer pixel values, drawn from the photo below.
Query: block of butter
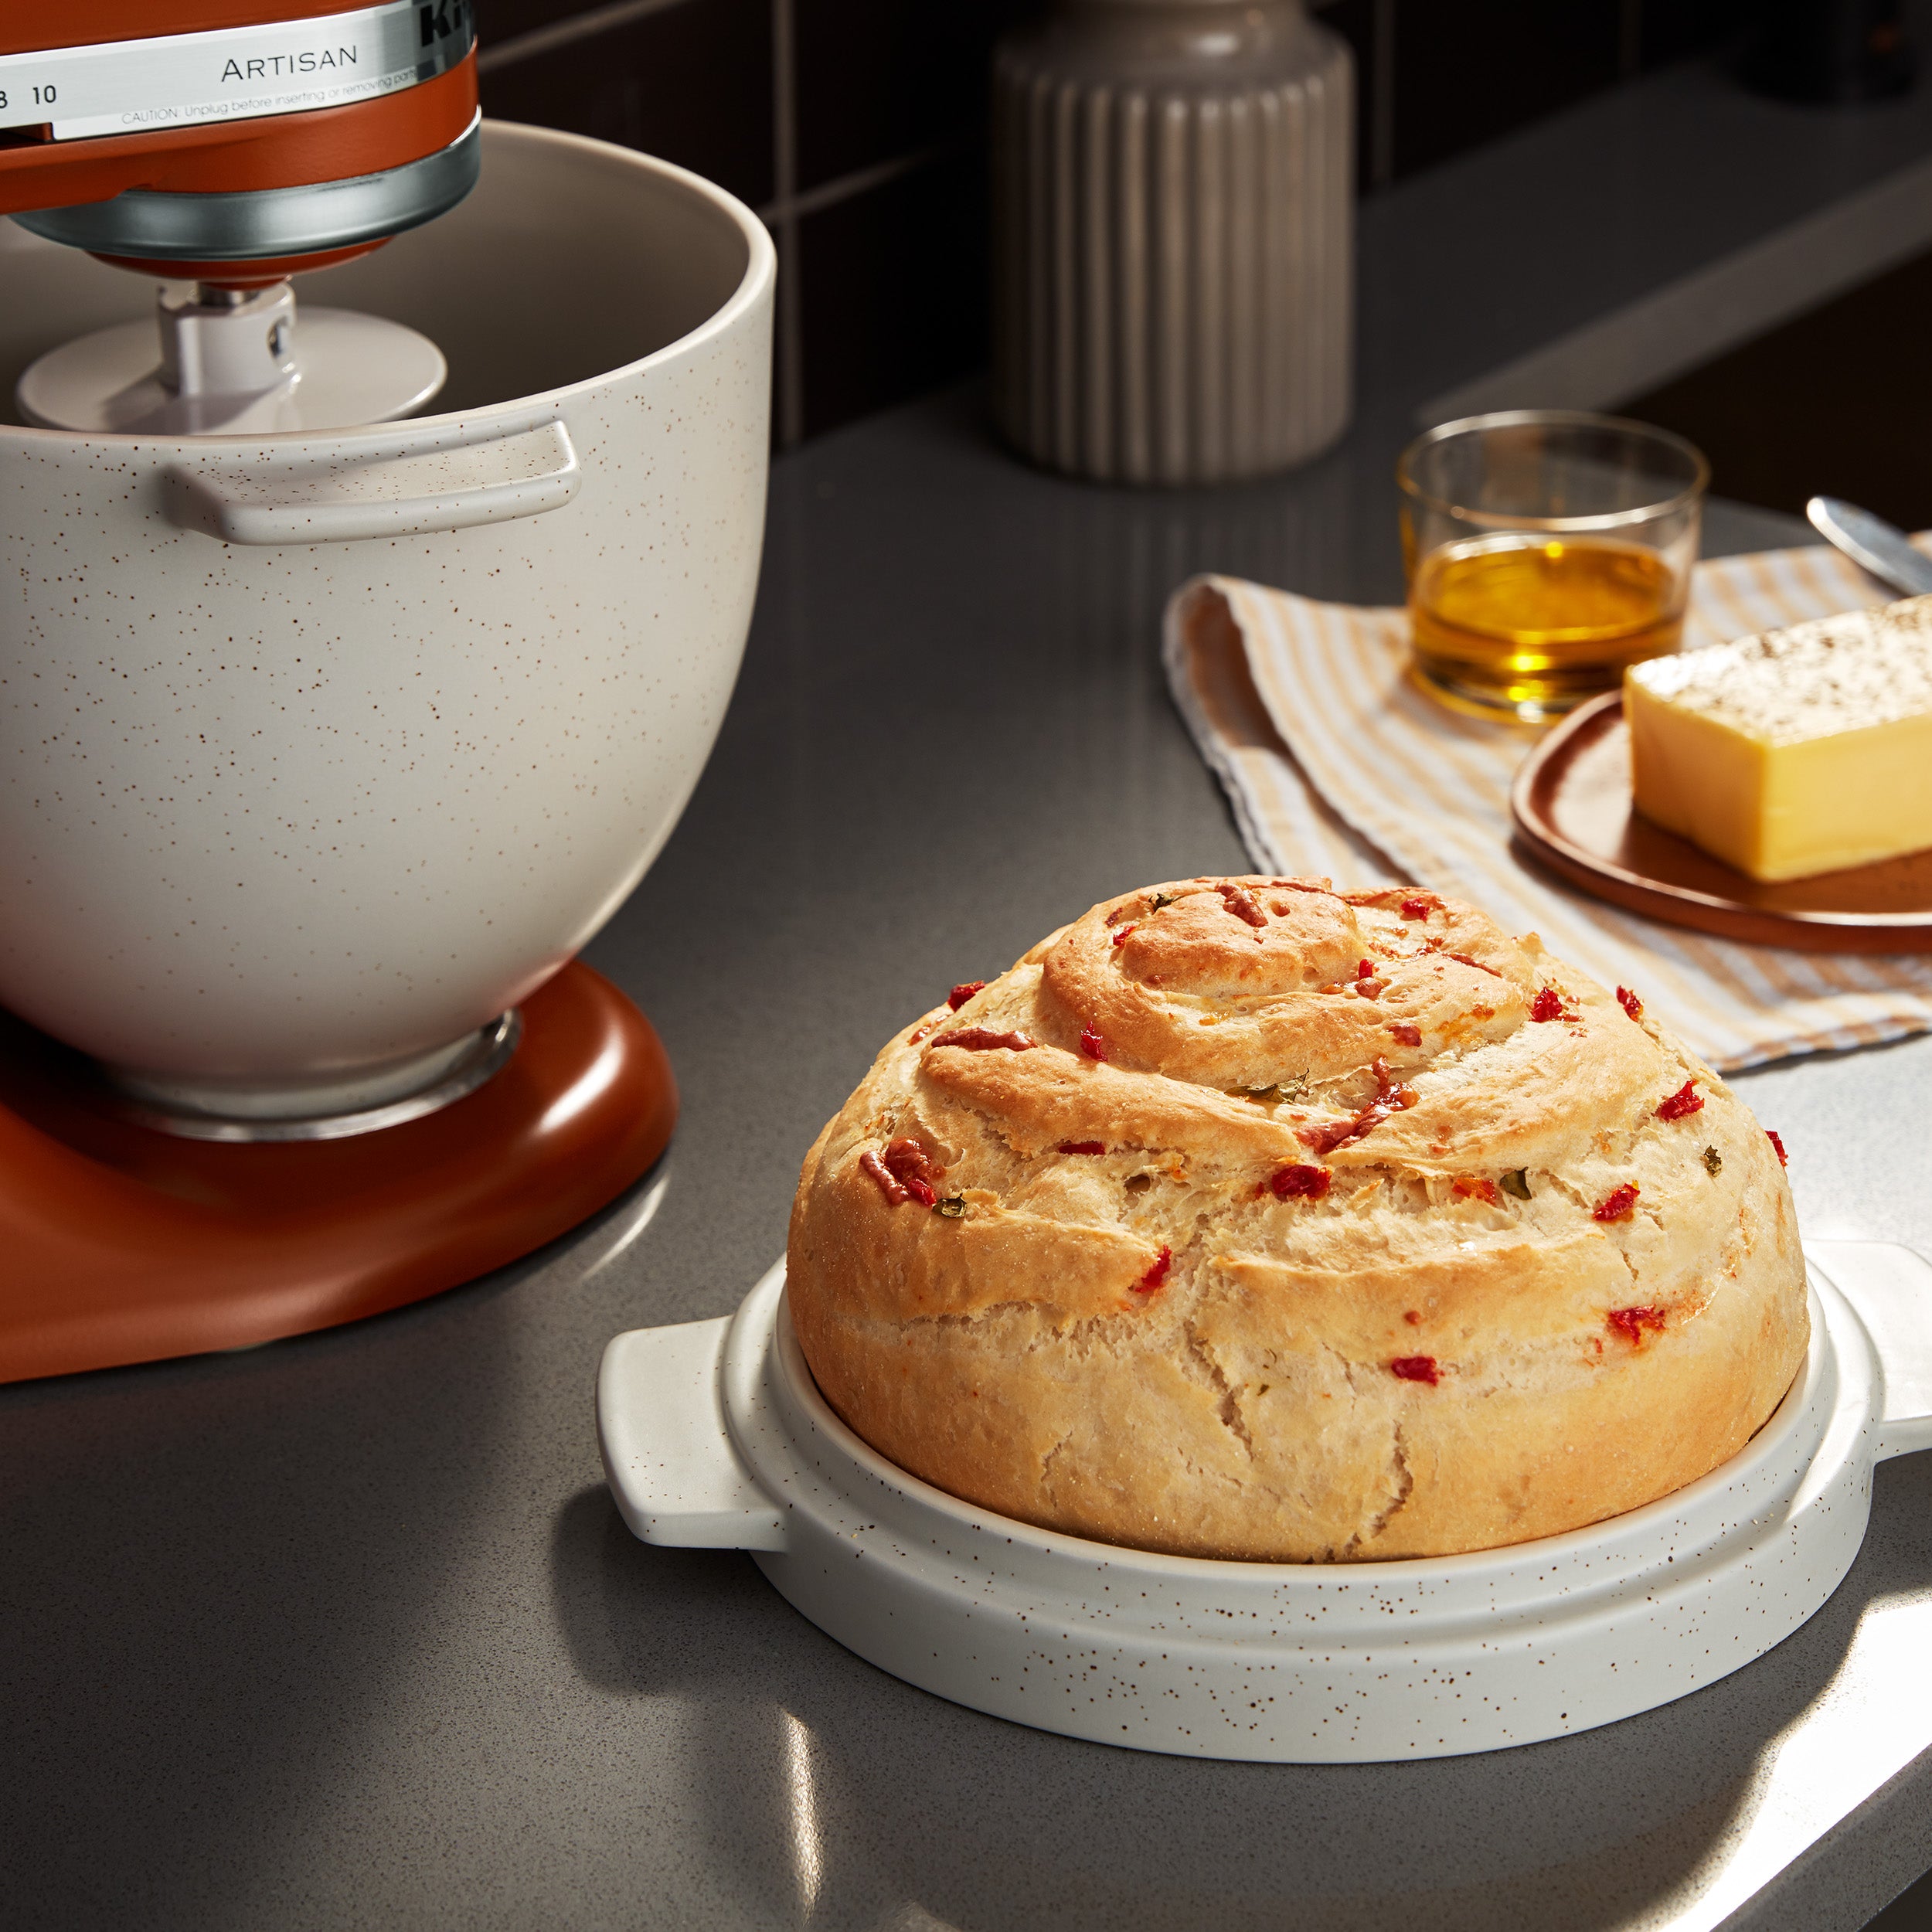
(1798, 752)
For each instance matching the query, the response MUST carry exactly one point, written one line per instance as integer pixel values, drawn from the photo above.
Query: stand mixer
(280, 136)
(311, 786)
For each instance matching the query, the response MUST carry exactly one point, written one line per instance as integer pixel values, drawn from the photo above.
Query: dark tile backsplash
(498, 21)
(1469, 73)
(893, 289)
(857, 129)
(1435, 79)
(877, 79)
(1671, 30)
(690, 81)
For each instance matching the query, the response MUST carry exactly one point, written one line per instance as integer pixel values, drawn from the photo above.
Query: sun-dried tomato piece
(1390, 1098)
(1770, 1134)
(1296, 1182)
(1415, 909)
(1242, 904)
(1365, 969)
(1082, 1147)
(1092, 1044)
(888, 1186)
(1124, 934)
(1473, 1187)
(1686, 1099)
(1390, 1092)
(905, 1156)
(1416, 1368)
(1631, 1323)
(1463, 959)
(1405, 1035)
(1630, 1002)
(914, 1169)
(1156, 1274)
(1549, 1005)
(1617, 1205)
(1412, 1317)
(983, 1039)
(963, 992)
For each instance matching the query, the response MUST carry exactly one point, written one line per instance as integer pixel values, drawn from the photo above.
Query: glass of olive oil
(1545, 550)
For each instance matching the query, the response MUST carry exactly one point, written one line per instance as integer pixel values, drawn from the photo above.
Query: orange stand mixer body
(232, 143)
(405, 75)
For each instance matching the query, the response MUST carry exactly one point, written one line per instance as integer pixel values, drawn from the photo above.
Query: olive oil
(1524, 624)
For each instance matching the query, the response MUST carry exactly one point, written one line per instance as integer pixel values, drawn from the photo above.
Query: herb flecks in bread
(1268, 1221)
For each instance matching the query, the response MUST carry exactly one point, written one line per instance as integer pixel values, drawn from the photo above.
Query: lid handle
(667, 1455)
(1890, 1288)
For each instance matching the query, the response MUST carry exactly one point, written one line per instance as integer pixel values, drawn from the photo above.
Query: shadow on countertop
(839, 1796)
(224, 1581)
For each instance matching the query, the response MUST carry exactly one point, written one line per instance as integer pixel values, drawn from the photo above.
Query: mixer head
(225, 145)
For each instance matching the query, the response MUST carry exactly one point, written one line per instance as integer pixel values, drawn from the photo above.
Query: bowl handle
(1890, 1288)
(391, 494)
(667, 1455)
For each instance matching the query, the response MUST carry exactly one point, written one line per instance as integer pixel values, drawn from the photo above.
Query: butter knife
(1872, 543)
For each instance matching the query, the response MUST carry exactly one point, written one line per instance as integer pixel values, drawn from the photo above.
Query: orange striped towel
(1336, 765)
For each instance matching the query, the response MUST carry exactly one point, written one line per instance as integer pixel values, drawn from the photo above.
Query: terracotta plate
(1572, 805)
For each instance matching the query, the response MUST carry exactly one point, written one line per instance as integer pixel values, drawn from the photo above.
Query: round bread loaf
(1244, 1218)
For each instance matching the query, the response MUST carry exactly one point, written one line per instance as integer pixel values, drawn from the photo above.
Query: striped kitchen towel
(1336, 765)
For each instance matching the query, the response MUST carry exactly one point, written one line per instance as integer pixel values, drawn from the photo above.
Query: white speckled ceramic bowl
(317, 752)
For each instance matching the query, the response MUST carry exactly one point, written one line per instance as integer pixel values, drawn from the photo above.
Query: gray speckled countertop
(346, 1631)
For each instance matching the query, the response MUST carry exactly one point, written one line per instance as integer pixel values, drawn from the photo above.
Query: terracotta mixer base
(122, 1243)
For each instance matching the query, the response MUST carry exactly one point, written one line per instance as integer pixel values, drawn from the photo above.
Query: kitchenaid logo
(275, 66)
(441, 18)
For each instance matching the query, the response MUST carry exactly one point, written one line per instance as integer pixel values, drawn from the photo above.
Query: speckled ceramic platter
(1572, 806)
(715, 1436)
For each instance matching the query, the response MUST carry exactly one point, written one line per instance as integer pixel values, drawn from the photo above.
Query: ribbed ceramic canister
(1172, 253)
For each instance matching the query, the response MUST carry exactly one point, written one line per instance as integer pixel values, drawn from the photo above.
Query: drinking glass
(1545, 550)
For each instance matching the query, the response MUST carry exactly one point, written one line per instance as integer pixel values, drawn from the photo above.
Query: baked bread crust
(1262, 1281)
